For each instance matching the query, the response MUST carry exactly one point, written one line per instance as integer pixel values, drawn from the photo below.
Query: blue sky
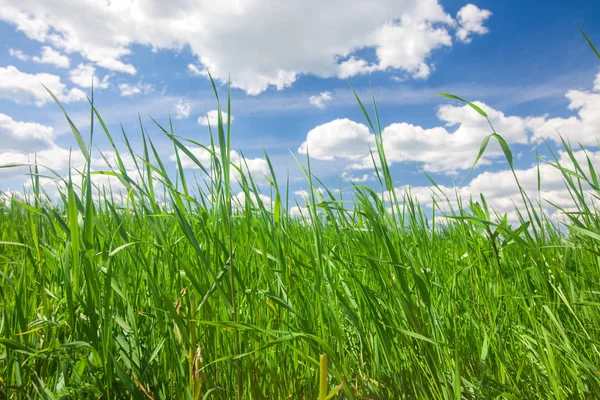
(291, 63)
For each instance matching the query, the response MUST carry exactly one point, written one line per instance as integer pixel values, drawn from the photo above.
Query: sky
(292, 66)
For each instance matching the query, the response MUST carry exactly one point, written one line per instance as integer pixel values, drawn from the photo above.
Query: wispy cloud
(320, 99)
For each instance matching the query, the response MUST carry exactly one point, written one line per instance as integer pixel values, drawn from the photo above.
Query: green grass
(177, 293)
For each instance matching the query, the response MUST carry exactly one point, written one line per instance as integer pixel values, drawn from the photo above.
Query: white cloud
(306, 194)
(310, 36)
(257, 167)
(53, 157)
(338, 139)
(437, 148)
(406, 45)
(597, 83)
(349, 177)
(24, 136)
(58, 159)
(501, 191)
(212, 118)
(320, 99)
(239, 200)
(24, 88)
(84, 74)
(51, 56)
(182, 109)
(196, 71)
(48, 56)
(18, 54)
(302, 193)
(471, 19)
(132, 90)
(583, 128)
(400, 45)
(298, 212)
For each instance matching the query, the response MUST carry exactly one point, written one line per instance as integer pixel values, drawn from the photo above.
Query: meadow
(170, 289)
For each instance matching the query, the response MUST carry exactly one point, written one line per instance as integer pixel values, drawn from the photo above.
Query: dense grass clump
(175, 291)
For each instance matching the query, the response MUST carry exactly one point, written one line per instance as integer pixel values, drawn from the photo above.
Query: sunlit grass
(173, 291)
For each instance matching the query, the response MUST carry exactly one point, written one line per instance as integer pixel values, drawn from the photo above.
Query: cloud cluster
(501, 191)
(257, 167)
(128, 90)
(258, 43)
(454, 145)
(48, 56)
(84, 75)
(583, 128)
(437, 149)
(24, 88)
(24, 136)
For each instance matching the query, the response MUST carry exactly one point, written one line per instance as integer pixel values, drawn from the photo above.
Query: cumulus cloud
(471, 19)
(212, 118)
(53, 157)
(320, 99)
(501, 191)
(48, 56)
(583, 128)
(438, 149)
(84, 74)
(454, 145)
(24, 136)
(51, 56)
(182, 109)
(59, 159)
(128, 90)
(24, 88)
(309, 36)
(257, 167)
(338, 139)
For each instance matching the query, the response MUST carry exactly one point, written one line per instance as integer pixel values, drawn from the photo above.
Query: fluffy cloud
(212, 118)
(51, 56)
(24, 136)
(583, 128)
(438, 149)
(58, 160)
(338, 139)
(128, 90)
(55, 158)
(454, 145)
(471, 19)
(501, 191)
(84, 74)
(48, 56)
(279, 41)
(239, 200)
(25, 88)
(257, 167)
(182, 109)
(320, 99)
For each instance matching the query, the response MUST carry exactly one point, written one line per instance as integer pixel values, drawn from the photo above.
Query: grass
(176, 292)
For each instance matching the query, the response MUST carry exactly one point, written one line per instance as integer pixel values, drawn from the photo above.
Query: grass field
(175, 291)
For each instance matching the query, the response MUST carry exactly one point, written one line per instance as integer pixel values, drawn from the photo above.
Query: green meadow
(173, 288)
